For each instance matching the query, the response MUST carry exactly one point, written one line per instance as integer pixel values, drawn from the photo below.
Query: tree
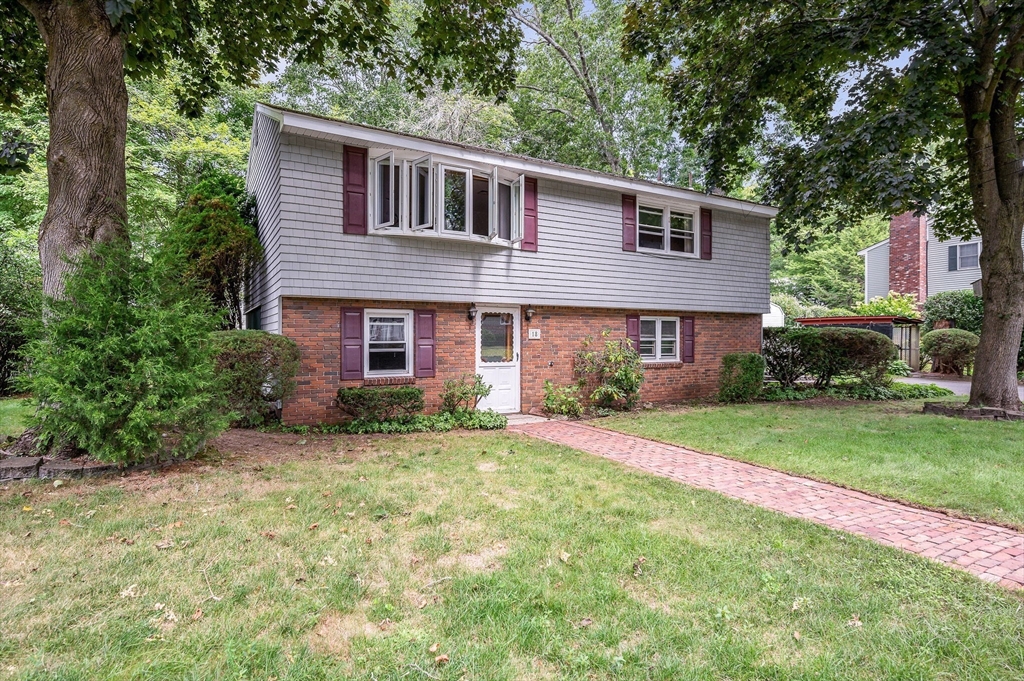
(214, 238)
(864, 107)
(86, 48)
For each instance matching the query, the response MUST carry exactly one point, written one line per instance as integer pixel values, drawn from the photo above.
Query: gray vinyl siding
(263, 182)
(876, 272)
(579, 262)
(939, 277)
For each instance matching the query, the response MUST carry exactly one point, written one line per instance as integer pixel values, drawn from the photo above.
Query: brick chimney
(908, 255)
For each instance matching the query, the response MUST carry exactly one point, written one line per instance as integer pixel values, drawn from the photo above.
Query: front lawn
(300, 557)
(972, 468)
(14, 413)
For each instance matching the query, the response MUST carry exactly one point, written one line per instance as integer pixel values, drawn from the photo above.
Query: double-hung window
(659, 339)
(968, 256)
(388, 345)
(666, 230)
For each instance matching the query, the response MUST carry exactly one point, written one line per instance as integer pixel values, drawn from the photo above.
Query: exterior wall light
(471, 313)
(529, 313)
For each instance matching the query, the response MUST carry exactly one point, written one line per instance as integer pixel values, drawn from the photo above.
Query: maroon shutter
(705, 234)
(351, 343)
(633, 330)
(353, 180)
(628, 222)
(426, 357)
(529, 214)
(688, 342)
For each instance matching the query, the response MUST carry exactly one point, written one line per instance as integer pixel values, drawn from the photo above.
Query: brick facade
(315, 324)
(908, 255)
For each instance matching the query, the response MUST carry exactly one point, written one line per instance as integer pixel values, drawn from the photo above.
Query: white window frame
(960, 256)
(658, 357)
(666, 225)
(442, 170)
(375, 194)
(413, 193)
(518, 210)
(405, 314)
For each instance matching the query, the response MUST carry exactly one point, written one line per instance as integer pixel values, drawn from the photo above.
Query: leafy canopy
(856, 105)
(218, 43)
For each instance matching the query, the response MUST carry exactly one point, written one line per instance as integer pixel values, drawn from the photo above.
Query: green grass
(14, 415)
(350, 558)
(972, 468)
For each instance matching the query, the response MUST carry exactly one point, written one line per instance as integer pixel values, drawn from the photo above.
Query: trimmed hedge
(840, 351)
(855, 391)
(741, 377)
(785, 352)
(951, 350)
(385, 403)
(255, 370)
(441, 422)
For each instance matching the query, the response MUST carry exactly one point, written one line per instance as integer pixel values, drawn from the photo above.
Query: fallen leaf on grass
(440, 660)
(433, 649)
(565, 556)
(268, 535)
(327, 560)
(58, 483)
(131, 592)
(638, 566)
(176, 524)
(327, 493)
(314, 526)
(290, 507)
(585, 622)
(855, 622)
(197, 615)
(796, 635)
(26, 509)
(64, 522)
(166, 544)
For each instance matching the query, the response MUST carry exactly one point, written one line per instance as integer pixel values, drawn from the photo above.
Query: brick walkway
(993, 553)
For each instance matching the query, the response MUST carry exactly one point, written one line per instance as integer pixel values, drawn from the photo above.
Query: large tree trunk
(88, 109)
(1002, 284)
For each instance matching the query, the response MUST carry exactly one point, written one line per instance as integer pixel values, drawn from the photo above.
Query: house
(393, 259)
(913, 260)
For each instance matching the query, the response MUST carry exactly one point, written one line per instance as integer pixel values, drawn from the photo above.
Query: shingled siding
(580, 261)
(263, 182)
(315, 324)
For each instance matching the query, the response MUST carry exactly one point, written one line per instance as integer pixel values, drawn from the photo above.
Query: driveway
(960, 386)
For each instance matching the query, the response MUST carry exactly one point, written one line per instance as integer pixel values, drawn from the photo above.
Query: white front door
(497, 357)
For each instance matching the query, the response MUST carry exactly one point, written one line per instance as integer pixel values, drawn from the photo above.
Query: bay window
(659, 339)
(419, 195)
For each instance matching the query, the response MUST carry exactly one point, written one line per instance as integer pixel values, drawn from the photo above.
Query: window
(481, 205)
(659, 339)
(497, 337)
(454, 199)
(387, 177)
(663, 229)
(254, 318)
(421, 175)
(388, 343)
(968, 256)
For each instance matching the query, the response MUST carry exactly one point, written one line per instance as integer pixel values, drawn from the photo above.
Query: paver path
(993, 553)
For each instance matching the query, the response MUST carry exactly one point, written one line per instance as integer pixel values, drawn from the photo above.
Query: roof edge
(292, 120)
(872, 247)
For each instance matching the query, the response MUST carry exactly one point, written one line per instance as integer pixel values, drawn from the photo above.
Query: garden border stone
(20, 467)
(973, 414)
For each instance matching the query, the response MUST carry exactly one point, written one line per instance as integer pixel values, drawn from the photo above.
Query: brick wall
(315, 324)
(908, 255)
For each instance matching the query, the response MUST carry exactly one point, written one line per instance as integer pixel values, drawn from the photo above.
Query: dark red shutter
(688, 340)
(633, 330)
(628, 222)
(530, 214)
(705, 234)
(426, 357)
(353, 181)
(351, 343)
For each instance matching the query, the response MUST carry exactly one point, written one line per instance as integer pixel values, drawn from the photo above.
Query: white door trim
(517, 342)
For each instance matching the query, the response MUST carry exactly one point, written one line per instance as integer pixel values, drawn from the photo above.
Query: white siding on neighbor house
(263, 182)
(876, 272)
(580, 261)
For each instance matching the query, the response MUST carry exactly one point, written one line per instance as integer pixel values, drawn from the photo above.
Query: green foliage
(786, 352)
(383, 403)
(794, 308)
(826, 273)
(950, 350)
(894, 304)
(256, 369)
(20, 305)
(441, 422)
(124, 366)
(612, 375)
(855, 391)
(562, 400)
(741, 377)
(463, 393)
(898, 367)
(838, 351)
(214, 235)
(962, 309)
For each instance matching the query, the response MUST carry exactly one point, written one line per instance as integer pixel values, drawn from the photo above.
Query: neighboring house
(913, 260)
(393, 259)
